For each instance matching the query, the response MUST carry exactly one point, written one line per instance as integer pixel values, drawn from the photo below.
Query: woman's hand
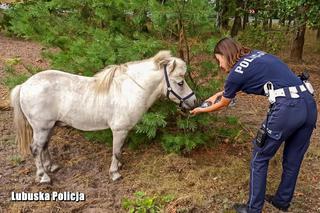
(196, 111)
(215, 106)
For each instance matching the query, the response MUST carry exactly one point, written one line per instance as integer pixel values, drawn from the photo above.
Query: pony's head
(175, 87)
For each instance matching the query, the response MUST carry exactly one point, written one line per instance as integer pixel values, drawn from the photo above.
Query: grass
(232, 120)
(9, 69)
(12, 77)
(13, 80)
(104, 136)
(313, 154)
(195, 184)
(12, 61)
(15, 160)
(32, 69)
(213, 183)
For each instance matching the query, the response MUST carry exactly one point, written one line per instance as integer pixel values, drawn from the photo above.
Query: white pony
(114, 98)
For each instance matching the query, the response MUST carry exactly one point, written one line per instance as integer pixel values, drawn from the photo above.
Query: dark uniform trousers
(291, 121)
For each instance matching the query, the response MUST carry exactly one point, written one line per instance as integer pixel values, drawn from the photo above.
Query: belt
(292, 92)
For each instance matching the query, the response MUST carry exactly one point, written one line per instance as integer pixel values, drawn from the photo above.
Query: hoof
(38, 178)
(45, 179)
(115, 176)
(54, 168)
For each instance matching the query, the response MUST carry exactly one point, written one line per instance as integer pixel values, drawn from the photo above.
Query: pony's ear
(172, 66)
(161, 58)
(162, 63)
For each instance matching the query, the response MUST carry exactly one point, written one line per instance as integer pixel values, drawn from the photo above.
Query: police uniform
(292, 119)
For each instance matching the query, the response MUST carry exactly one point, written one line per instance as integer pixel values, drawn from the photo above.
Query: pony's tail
(22, 126)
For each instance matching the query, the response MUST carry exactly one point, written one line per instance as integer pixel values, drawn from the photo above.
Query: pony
(115, 98)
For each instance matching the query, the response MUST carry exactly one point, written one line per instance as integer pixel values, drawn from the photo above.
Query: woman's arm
(213, 98)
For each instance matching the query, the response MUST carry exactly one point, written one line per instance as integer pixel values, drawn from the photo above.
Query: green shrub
(271, 41)
(182, 143)
(141, 203)
(150, 123)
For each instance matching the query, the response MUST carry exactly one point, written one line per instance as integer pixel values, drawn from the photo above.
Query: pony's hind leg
(48, 165)
(118, 140)
(38, 149)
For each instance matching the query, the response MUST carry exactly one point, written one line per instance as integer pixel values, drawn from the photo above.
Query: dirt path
(209, 180)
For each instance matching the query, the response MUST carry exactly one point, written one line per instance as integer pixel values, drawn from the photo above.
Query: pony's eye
(181, 83)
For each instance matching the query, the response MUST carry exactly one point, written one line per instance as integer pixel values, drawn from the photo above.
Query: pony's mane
(104, 78)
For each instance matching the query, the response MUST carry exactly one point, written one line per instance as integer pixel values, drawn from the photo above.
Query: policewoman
(291, 118)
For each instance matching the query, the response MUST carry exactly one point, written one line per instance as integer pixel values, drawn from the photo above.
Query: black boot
(241, 208)
(269, 199)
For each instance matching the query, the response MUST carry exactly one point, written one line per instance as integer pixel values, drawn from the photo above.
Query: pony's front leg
(118, 140)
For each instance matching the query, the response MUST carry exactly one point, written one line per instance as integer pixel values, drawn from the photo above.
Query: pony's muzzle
(189, 104)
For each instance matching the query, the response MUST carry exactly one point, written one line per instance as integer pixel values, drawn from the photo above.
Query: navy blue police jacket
(255, 69)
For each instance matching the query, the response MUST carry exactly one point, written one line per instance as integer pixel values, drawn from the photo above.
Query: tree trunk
(255, 20)
(290, 19)
(245, 20)
(222, 10)
(282, 21)
(245, 14)
(224, 18)
(265, 23)
(270, 23)
(318, 33)
(237, 19)
(181, 40)
(298, 42)
(219, 14)
(236, 26)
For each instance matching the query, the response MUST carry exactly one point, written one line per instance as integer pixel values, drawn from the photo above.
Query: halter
(169, 90)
